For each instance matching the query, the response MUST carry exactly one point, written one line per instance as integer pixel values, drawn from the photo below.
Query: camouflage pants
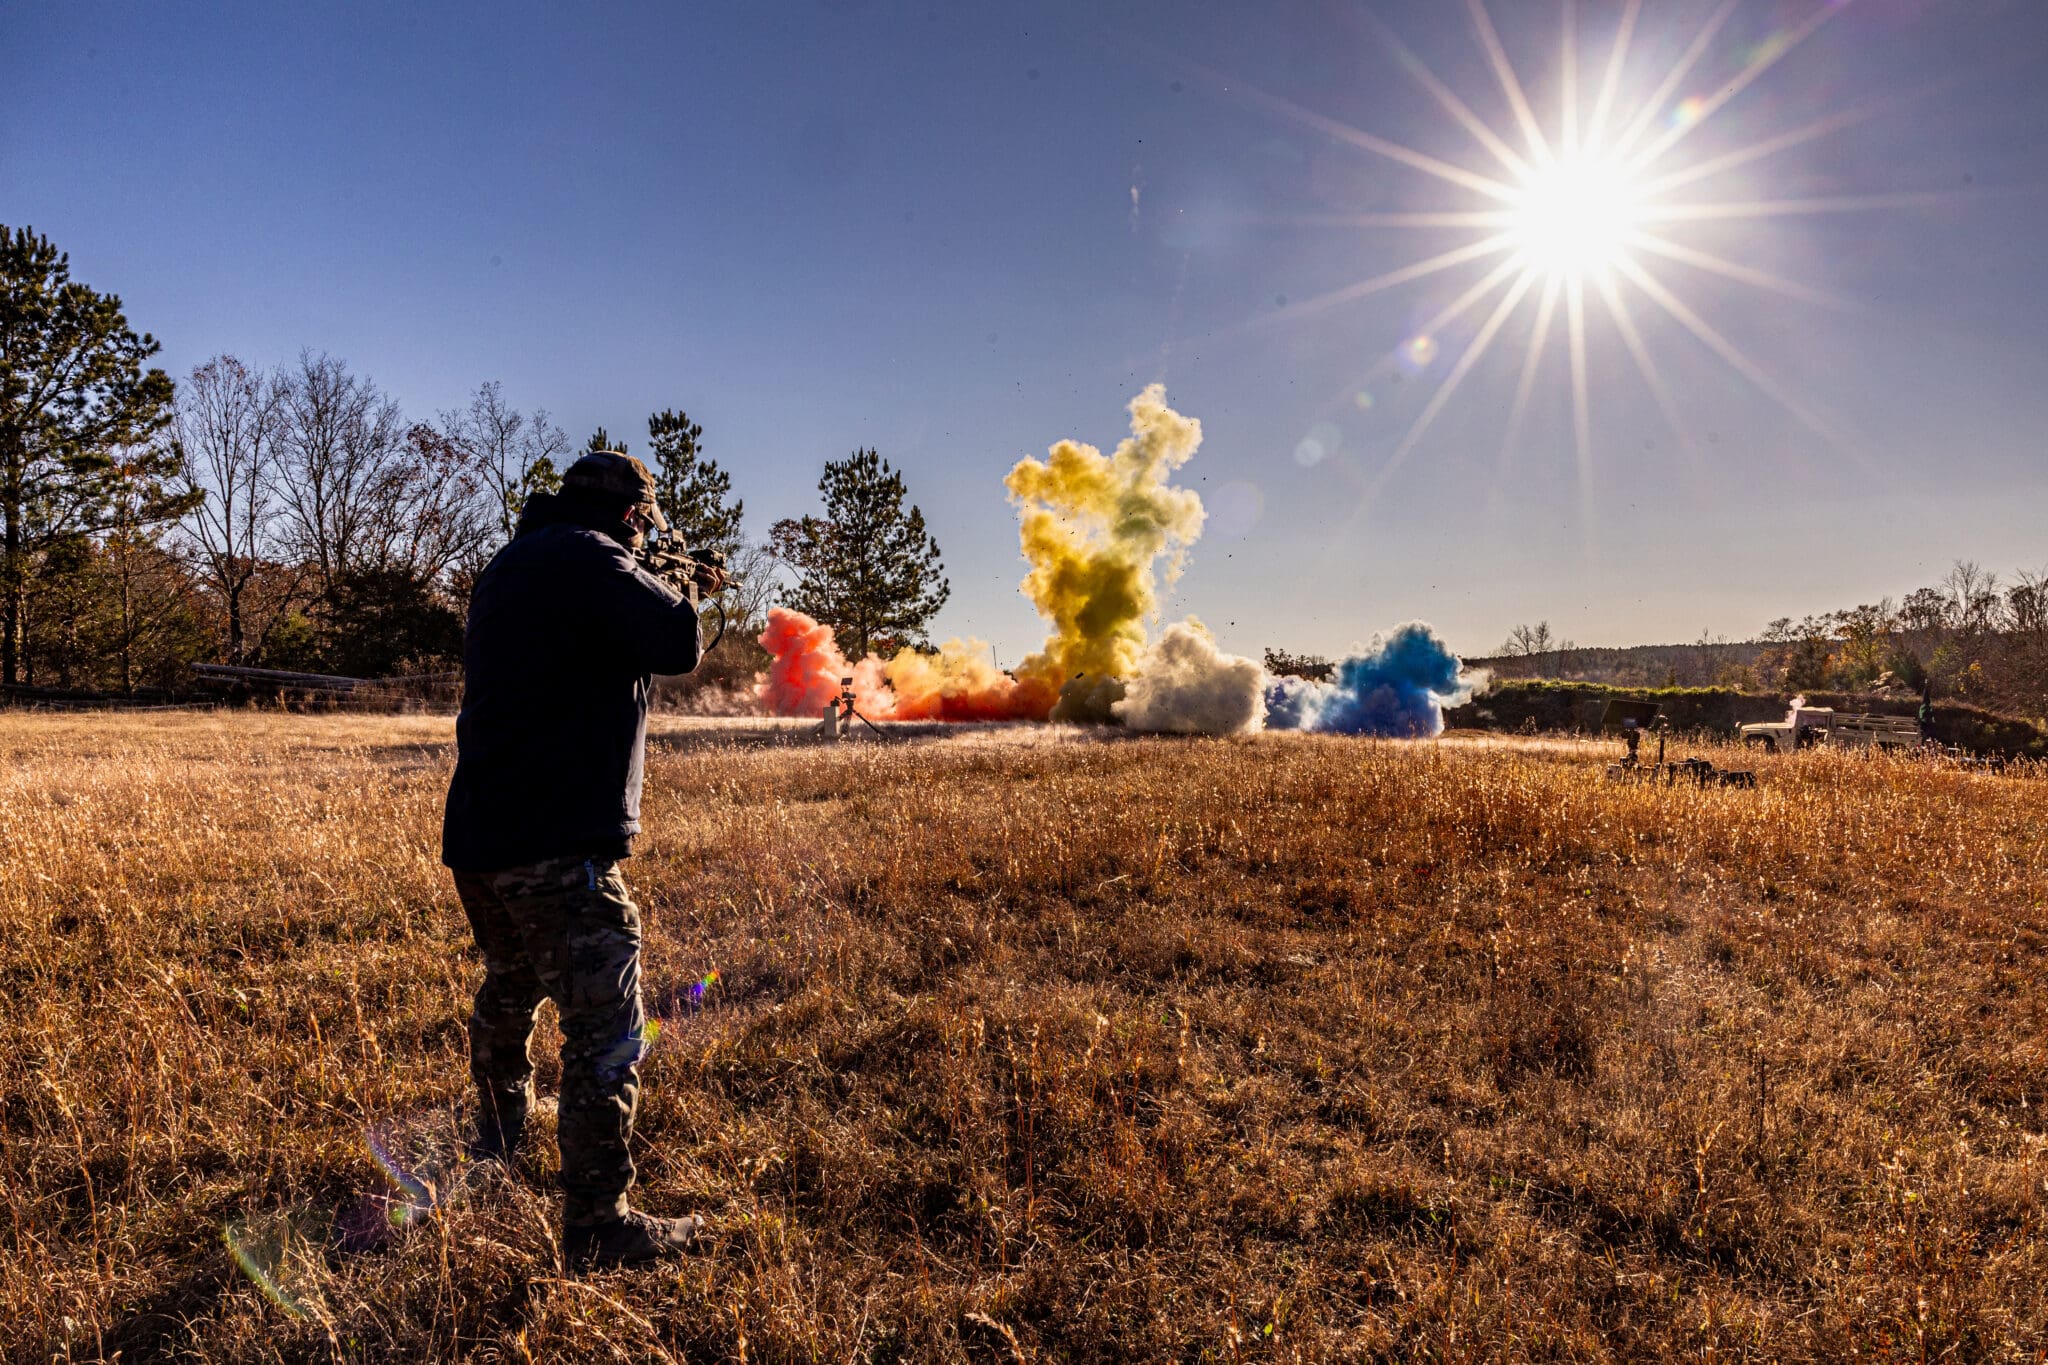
(567, 930)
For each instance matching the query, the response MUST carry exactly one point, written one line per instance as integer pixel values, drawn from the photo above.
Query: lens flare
(1416, 353)
(420, 1195)
(1235, 508)
(1690, 110)
(262, 1250)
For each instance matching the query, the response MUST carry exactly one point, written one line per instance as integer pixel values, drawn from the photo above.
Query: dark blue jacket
(565, 629)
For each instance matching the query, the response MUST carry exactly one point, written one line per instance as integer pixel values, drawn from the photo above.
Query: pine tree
(155, 626)
(867, 567)
(600, 441)
(691, 488)
(78, 421)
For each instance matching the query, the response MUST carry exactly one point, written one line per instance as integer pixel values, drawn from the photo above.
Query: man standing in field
(565, 629)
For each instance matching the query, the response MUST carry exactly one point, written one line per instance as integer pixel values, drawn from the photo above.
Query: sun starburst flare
(1582, 214)
(1574, 215)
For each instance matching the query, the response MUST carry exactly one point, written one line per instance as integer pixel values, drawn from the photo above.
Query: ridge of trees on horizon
(1974, 636)
(297, 518)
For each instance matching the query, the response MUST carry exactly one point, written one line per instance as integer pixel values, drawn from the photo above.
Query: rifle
(678, 569)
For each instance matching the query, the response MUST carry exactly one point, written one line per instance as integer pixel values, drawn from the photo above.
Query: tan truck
(1805, 726)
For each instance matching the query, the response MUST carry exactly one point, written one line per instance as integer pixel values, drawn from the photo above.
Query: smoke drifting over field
(1398, 686)
(808, 670)
(959, 683)
(962, 683)
(1186, 686)
(1092, 526)
(1101, 533)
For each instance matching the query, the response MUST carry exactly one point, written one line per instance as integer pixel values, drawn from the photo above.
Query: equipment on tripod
(840, 713)
(1632, 720)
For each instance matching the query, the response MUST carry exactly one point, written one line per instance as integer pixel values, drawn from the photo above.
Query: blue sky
(960, 233)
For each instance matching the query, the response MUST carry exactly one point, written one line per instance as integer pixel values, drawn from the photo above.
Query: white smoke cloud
(1186, 686)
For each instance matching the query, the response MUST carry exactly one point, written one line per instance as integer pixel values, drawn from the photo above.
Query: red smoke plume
(959, 683)
(808, 668)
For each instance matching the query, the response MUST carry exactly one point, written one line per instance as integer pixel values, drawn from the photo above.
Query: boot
(500, 1129)
(633, 1240)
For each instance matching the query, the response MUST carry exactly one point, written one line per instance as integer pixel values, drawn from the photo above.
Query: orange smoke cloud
(960, 683)
(807, 670)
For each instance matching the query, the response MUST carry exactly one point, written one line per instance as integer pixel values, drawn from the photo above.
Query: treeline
(297, 518)
(1535, 705)
(1975, 637)
(1706, 662)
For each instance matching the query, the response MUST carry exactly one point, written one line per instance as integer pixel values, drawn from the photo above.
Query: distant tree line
(1281, 664)
(295, 517)
(1973, 637)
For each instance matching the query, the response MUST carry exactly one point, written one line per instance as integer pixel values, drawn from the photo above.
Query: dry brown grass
(1295, 1048)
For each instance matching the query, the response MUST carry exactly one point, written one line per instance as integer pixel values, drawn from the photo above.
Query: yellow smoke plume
(1092, 526)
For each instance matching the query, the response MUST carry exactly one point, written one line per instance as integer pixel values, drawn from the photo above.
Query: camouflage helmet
(620, 474)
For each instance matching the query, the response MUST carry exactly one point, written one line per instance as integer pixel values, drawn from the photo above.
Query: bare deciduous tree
(1974, 603)
(514, 454)
(754, 569)
(1528, 641)
(364, 492)
(227, 429)
(1542, 651)
(436, 513)
(341, 443)
(2026, 603)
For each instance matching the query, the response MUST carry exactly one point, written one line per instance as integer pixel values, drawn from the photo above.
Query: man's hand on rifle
(709, 578)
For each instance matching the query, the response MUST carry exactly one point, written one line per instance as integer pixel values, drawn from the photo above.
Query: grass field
(1036, 1046)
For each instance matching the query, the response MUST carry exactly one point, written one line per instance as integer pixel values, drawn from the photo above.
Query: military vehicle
(1805, 726)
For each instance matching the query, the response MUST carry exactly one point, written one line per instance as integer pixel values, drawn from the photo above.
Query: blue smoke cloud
(1396, 687)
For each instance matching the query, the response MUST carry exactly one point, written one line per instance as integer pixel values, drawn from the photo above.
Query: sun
(1575, 216)
(1584, 216)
